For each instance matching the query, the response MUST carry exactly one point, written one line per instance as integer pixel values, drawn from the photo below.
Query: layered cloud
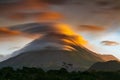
(55, 2)
(34, 1)
(90, 28)
(50, 16)
(100, 11)
(7, 35)
(109, 4)
(56, 30)
(110, 43)
(37, 16)
(29, 10)
(43, 28)
(6, 31)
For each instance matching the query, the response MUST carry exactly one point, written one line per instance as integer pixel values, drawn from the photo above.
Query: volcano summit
(58, 47)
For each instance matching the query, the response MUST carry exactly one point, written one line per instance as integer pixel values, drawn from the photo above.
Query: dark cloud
(90, 28)
(18, 11)
(29, 10)
(109, 4)
(104, 3)
(38, 16)
(8, 1)
(117, 7)
(55, 2)
(19, 16)
(110, 43)
(13, 5)
(20, 5)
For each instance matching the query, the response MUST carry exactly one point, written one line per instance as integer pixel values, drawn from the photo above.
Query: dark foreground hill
(109, 58)
(106, 66)
(62, 74)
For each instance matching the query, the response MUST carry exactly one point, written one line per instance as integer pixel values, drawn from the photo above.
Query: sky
(96, 20)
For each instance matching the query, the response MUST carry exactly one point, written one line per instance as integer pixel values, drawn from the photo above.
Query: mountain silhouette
(106, 66)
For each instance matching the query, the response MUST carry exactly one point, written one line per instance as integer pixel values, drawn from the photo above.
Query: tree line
(8, 73)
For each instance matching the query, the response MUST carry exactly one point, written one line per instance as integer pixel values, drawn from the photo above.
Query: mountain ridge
(106, 66)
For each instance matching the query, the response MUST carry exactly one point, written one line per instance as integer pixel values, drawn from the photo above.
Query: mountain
(4, 57)
(58, 47)
(105, 66)
(1, 57)
(109, 57)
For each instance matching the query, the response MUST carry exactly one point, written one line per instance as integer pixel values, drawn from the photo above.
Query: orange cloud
(6, 31)
(25, 5)
(7, 35)
(26, 10)
(90, 28)
(22, 5)
(17, 17)
(50, 16)
(32, 5)
(9, 8)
